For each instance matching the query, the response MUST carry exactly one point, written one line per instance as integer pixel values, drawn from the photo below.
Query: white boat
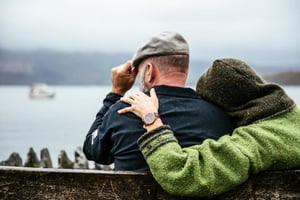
(41, 91)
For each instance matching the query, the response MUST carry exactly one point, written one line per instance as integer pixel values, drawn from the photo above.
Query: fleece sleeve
(218, 166)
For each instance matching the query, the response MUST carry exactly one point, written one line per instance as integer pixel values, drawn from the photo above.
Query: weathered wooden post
(63, 161)
(46, 161)
(80, 160)
(32, 159)
(13, 160)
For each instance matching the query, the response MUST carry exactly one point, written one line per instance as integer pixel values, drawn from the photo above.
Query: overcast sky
(259, 31)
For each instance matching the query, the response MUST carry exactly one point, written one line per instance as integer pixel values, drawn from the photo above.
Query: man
(162, 63)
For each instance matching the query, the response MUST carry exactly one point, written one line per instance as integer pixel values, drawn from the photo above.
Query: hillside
(285, 78)
(57, 68)
(94, 68)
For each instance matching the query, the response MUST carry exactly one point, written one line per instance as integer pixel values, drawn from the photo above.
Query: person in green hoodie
(267, 136)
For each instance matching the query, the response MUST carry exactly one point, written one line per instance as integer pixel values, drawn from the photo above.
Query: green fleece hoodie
(269, 139)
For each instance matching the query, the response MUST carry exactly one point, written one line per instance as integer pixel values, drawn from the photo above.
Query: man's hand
(123, 78)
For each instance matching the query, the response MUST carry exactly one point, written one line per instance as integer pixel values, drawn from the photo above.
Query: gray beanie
(165, 43)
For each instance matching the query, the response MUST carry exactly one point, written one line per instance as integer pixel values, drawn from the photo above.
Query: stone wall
(42, 183)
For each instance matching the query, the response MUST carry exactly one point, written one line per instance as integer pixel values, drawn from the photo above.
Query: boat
(41, 91)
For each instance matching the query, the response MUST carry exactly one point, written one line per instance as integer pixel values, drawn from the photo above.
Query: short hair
(170, 61)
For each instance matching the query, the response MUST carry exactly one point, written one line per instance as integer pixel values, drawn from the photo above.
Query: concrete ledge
(40, 183)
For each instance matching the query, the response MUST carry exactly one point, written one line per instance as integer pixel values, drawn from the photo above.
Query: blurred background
(71, 46)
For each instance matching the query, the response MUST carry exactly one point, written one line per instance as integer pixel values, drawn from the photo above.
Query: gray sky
(260, 31)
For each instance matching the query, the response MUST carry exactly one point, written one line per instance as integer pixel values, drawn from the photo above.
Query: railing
(41, 183)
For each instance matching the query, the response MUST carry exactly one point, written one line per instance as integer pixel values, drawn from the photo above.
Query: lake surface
(58, 124)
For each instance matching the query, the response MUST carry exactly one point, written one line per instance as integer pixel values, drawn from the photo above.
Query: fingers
(128, 69)
(153, 93)
(154, 98)
(123, 78)
(129, 72)
(140, 103)
(125, 110)
(124, 69)
(127, 65)
(127, 100)
(138, 96)
(131, 98)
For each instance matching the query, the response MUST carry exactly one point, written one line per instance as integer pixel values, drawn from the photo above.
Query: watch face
(149, 118)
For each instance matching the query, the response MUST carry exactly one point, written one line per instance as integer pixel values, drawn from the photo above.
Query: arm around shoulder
(214, 167)
(199, 170)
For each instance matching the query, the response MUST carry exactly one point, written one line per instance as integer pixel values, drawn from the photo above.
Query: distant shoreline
(285, 78)
(85, 69)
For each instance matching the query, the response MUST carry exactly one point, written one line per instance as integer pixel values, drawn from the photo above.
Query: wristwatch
(150, 118)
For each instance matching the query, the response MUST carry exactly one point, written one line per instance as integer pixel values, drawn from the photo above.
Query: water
(58, 124)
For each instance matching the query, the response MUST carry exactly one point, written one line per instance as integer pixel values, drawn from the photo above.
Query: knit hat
(165, 43)
(245, 96)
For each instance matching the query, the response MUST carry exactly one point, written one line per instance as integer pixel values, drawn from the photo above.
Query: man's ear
(150, 72)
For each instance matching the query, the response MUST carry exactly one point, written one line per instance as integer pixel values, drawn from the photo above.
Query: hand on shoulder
(141, 105)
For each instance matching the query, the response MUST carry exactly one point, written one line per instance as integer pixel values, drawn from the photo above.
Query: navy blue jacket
(112, 137)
